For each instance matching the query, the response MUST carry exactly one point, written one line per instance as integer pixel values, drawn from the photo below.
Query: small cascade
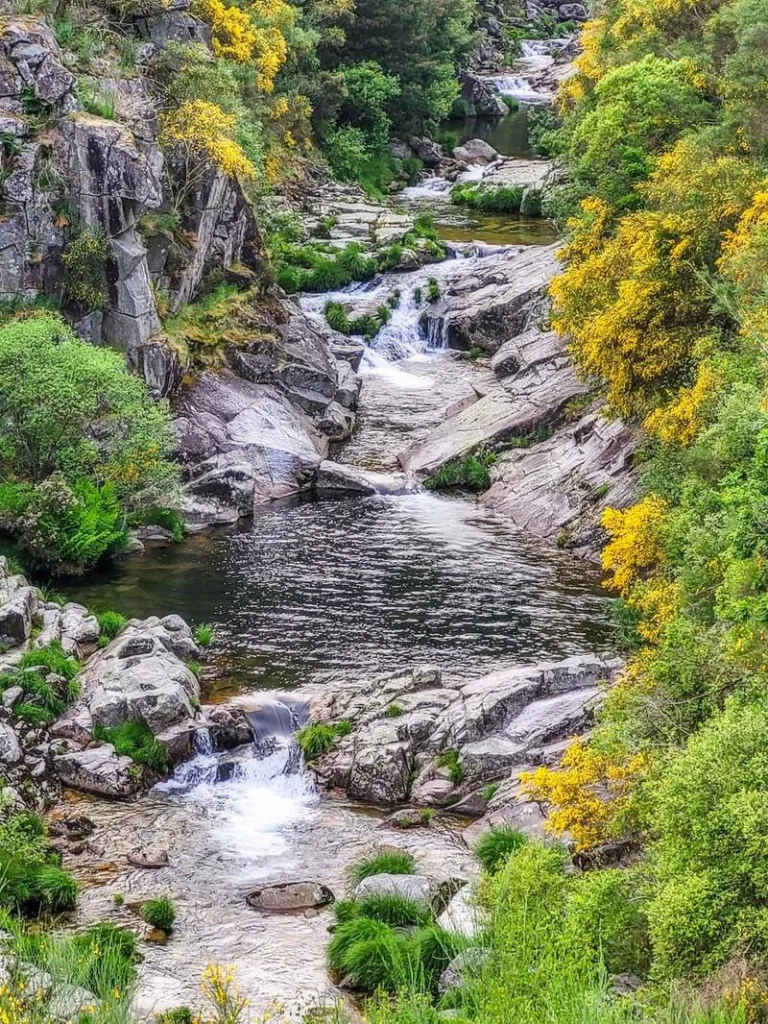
(518, 87)
(255, 792)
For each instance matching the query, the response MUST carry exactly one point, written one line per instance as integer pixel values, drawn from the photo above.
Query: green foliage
(392, 909)
(451, 759)
(497, 845)
(433, 290)
(160, 913)
(81, 444)
(204, 634)
(394, 711)
(471, 473)
(85, 270)
(169, 519)
(134, 740)
(489, 199)
(316, 740)
(111, 623)
(391, 862)
(30, 883)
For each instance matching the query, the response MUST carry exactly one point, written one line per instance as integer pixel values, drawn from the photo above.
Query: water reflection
(321, 590)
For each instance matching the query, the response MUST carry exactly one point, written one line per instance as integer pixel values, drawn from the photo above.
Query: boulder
(288, 896)
(475, 151)
(150, 860)
(139, 677)
(480, 98)
(573, 12)
(334, 478)
(418, 888)
(17, 609)
(99, 770)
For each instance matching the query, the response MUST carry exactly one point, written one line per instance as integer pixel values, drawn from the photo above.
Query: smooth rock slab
(287, 896)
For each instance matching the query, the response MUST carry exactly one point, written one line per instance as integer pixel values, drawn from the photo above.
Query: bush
(451, 759)
(204, 634)
(470, 473)
(85, 267)
(81, 443)
(134, 740)
(370, 954)
(498, 844)
(498, 199)
(337, 317)
(160, 913)
(393, 909)
(389, 863)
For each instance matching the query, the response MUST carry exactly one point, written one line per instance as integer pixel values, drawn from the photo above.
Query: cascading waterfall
(255, 793)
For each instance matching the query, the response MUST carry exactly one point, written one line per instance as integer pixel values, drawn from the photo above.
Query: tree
(418, 43)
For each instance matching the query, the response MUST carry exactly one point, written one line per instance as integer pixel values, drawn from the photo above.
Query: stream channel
(323, 590)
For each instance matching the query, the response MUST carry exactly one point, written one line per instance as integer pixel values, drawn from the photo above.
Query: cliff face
(67, 171)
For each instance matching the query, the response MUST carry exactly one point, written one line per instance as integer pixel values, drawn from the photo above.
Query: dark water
(507, 135)
(348, 588)
(495, 228)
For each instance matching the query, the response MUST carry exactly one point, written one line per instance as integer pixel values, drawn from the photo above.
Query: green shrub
(433, 290)
(605, 914)
(388, 863)
(204, 634)
(394, 711)
(337, 317)
(369, 953)
(168, 518)
(470, 473)
(489, 199)
(160, 913)
(134, 740)
(316, 740)
(111, 623)
(85, 268)
(497, 844)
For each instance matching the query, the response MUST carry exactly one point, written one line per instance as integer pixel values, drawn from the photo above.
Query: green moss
(470, 473)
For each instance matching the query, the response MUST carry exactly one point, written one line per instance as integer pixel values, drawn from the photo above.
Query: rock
(408, 818)
(148, 859)
(12, 696)
(75, 828)
(557, 489)
(10, 751)
(288, 896)
(418, 888)
(468, 963)
(139, 677)
(462, 915)
(334, 478)
(243, 444)
(18, 605)
(430, 153)
(337, 423)
(475, 151)
(79, 629)
(480, 98)
(625, 984)
(99, 770)
(156, 936)
(160, 367)
(573, 12)
(34, 61)
(380, 772)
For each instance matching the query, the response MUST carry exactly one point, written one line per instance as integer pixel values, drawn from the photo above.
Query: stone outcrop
(99, 770)
(493, 728)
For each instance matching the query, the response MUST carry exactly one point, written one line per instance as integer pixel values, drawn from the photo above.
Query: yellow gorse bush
(635, 546)
(203, 131)
(250, 34)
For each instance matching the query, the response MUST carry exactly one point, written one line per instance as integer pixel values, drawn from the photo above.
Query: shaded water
(507, 135)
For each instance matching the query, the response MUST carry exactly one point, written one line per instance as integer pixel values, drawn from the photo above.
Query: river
(317, 590)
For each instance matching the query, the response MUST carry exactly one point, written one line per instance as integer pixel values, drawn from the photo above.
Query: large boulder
(139, 677)
(475, 151)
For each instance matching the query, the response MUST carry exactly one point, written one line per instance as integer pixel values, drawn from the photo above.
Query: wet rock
(468, 963)
(481, 99)
(149, 859)
(288, 896)
(408, 818)
(336, 422)
(75, 828)
(100, 770)
(156, 936)
(334, 478)
(558, 488)
(243, 444)
(429, 152)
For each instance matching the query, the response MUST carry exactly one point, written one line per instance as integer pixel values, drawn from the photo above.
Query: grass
(496, 846)
(160, 913)
(110, 625)
(501, 199)
(489, 792)
(44, 701)
(450, 759)
(316, 740)
(433, 290)
(319, 267)
(391, 862)
(472, 473)
(134, 740)
(204, 634)
(394, 711)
